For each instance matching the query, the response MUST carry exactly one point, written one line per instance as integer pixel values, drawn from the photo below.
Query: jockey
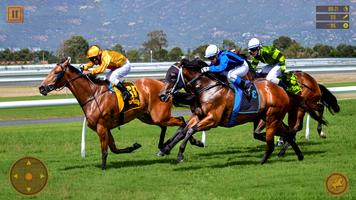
(118, 64)
(228, 64)
(271, 56)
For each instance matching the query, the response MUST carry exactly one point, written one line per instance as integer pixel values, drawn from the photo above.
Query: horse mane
(195, 64)
(92, 78)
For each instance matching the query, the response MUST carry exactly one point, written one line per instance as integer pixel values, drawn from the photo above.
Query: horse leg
(103, 136)
(258, 126)
(167, 147)
(290, 138)
(195, 125)
(271, 128)
(161, 136)
(182, 147)
(320, 125)
(116, 150)
(192, 140)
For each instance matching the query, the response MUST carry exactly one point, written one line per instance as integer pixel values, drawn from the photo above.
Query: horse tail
(329, 100)
(313, 110)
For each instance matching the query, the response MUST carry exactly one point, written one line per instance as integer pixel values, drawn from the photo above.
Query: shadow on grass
(136, 163)
(122, 164)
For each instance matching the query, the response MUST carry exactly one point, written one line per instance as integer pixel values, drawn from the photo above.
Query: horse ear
(69, 59)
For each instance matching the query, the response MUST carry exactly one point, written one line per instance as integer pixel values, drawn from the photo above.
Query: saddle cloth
(132, 103)
(244, 105)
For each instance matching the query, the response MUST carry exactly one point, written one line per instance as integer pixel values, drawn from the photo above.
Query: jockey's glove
(205, 69)
(82, 67)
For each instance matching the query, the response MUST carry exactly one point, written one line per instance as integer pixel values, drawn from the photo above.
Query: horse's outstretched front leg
(192, 140)
(124, 150)
(195, 125)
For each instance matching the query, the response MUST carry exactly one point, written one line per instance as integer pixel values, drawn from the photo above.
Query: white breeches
(272, 75)
(114, 75)
(238, 71)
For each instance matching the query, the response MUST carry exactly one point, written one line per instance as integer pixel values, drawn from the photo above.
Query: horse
(100, 105)
(216, 106)
(313, 98)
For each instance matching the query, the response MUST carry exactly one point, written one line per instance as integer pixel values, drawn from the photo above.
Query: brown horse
(100, 106)
(313, 98)
(216, 105)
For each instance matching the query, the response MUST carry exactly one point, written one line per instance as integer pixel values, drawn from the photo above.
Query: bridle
(191, 82)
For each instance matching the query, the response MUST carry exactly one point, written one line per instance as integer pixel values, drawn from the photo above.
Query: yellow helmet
(93, 51)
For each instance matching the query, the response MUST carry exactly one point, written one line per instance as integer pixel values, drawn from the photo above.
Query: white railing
(72, 101)
(27, 73)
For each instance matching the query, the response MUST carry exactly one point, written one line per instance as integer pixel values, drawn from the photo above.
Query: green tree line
(155, 49)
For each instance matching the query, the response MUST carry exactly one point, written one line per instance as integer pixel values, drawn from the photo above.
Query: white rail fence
(27, 73)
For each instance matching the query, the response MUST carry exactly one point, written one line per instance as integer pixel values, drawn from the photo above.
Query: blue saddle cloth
(244, 105)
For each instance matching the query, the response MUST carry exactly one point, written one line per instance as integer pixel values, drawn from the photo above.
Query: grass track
(227, 169)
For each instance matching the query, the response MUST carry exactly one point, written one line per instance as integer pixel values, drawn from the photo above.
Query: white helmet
(253, 43)
(211, 50)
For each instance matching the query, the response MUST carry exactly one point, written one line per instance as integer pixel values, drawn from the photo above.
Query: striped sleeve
(254, 63)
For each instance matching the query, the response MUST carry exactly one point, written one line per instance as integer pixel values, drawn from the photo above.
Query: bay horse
(216, 106)
(100, 106)
(313, 98)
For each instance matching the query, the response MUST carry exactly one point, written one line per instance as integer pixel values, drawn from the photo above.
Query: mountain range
(187, 23)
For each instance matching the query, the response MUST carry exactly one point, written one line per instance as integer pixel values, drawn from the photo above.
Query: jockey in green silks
(275, 60)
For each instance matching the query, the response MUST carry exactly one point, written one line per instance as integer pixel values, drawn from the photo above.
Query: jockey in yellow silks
(118, 64)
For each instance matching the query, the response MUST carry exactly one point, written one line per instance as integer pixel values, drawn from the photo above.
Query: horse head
(180, 75)
(54, 79)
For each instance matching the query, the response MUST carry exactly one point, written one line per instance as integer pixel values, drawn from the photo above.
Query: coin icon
(28, 175)
(336, 184)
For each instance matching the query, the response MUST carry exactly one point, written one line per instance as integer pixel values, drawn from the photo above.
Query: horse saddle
(133, 102)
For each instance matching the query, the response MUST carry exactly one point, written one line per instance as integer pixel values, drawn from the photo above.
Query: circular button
(336, 184)
(28, 175)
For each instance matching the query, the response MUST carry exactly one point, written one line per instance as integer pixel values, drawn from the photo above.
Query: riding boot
(125, 93)
(246, 85)
(282, 84)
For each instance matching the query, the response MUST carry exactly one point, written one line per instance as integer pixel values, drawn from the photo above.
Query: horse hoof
(160, 154)
(136, 146)
(300, 157)
(180, 159)
(200, 144)
(281, 154)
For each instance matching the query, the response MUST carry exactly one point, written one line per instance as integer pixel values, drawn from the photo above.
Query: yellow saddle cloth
(133, 102)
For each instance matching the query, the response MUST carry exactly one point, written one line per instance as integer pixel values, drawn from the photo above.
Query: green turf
(227, 169)
(39, 97)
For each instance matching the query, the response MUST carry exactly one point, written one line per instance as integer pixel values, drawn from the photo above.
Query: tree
(199, 51)
(44, 55)
(344, 50)
(228, 44)
(25, 55)
(75, 47)
(157, 40)
(282, 43)
(133, 55)
(323, 50)
(118, 48)
(161, 55)
(175, 54)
